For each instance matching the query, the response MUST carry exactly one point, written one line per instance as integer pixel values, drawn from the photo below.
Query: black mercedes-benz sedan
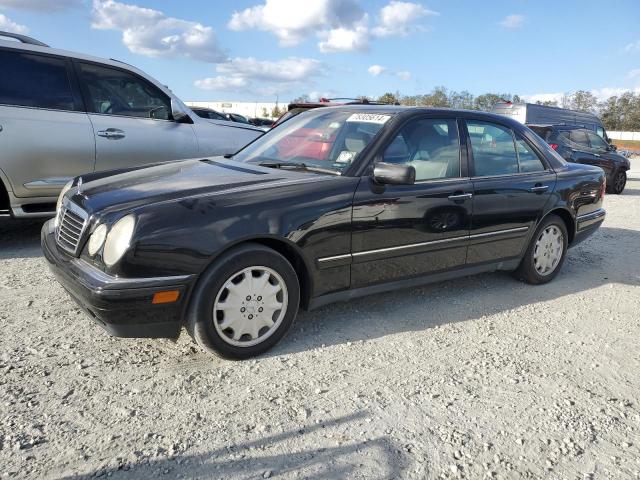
(337, 202)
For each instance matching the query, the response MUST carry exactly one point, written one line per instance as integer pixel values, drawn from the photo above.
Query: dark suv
(580, 145)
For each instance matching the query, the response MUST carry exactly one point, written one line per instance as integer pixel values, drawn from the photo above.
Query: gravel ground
(482, 377)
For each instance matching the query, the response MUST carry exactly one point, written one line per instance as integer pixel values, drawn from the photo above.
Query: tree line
(618, 112)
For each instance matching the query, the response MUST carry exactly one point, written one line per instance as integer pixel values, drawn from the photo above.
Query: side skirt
(347, 295)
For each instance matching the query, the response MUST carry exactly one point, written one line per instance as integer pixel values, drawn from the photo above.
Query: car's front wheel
(546, 252)
(244, 303)
(618, 183)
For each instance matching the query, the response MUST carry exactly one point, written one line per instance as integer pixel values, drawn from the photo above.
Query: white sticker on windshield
(345, 156)
(369, 118)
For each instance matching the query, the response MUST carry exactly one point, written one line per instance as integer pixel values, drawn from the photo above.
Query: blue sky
(257, 49)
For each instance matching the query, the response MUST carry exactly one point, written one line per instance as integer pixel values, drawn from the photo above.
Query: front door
(132, 120)
(45, 136)
(511, 185)
(403, 231)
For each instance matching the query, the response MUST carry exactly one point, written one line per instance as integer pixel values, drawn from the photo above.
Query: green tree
(488, 100)
(277, 111)
(301, 99)
(581, 100)
(391, 98)
(548, 103)
(437, 98)
(462, 99)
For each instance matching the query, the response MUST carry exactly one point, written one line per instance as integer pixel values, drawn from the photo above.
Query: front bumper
(122, 306)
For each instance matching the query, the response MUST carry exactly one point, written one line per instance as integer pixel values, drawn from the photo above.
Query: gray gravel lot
(482, 377)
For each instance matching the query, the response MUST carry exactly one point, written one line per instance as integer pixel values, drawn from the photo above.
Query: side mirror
(178, 113)
(612, 147)
(393, 174)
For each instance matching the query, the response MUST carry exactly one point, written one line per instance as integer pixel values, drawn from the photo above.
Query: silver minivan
(63, 114)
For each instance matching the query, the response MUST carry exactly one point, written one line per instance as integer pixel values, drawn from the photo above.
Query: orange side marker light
(168, 296)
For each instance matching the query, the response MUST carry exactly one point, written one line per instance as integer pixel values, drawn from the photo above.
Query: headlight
(118, 240)
(97, 239)
(65, 189)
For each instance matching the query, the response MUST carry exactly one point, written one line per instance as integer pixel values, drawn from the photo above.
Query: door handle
(457, 197)
(540, 188)
(114, 133)
(596, 155)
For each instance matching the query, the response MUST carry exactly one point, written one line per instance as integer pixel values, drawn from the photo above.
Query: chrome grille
(72, 222)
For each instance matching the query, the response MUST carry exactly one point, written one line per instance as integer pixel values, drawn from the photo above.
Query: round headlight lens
(97, 239)
(65, 189)
(118, 240)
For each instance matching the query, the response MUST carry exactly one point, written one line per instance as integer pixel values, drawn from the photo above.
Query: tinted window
(579, 137)
(116, 92)
(528, 159)
(597, 141)
(493, 147)
(34, 81)
(431, 146)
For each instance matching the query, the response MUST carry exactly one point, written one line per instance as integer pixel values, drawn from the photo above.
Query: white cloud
(512, 21)
(291, 69)
(292, 21)
(399, 18)
(376, 70)
(40, 5)
(222, 83)
(8, 25)
(239, 74)
(151, 33)
(345, 40)
(632, 47)
(634, 73)
(403, 75)
(543, 97)
(341, 25)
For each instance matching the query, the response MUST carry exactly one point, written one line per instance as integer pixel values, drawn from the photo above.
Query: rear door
(45, 136)
(511, 185)
(402, 231)
(599, 149)
(131, 119)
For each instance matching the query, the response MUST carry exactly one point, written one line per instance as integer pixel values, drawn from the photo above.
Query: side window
(527, 158)
(34, 81)
(494, 152)
(579, 137)
(600, 131)
(431, 146)
(116, 92)
(597, 141)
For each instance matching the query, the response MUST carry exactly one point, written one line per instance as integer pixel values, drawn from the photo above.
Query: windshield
(324, 139)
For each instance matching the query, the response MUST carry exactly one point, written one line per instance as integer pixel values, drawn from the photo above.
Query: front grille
(71, 226)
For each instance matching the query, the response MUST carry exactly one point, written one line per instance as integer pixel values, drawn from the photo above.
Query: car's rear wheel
(546, 252)
(244, 303)
(618, 183)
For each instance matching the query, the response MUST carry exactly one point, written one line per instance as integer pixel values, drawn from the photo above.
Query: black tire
(527, 271)
(200, 315)
(618, 182)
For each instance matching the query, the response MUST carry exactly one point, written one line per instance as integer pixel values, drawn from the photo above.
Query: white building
(248, 109)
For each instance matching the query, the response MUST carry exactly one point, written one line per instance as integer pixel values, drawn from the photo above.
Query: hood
(229, 123)
(176, 181)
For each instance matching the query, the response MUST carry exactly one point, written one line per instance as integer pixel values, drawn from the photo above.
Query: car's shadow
(20, 238)
(253, 458)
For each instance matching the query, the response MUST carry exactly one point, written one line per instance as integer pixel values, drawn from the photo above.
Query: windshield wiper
(297, 166)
